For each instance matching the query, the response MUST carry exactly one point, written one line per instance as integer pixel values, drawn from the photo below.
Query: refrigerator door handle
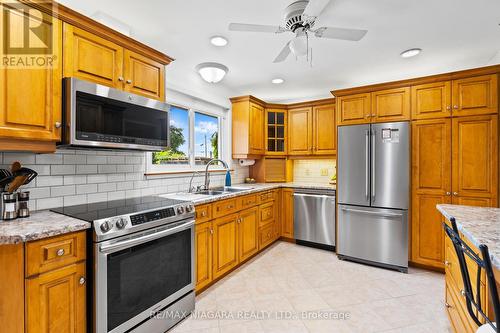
(367, 162)
(371, 212)
(374, 132)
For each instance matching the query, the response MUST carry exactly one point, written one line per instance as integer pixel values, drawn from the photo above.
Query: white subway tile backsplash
(49, 159)
(116, 159)
(75, 159)
(75, 200)
(97, 178)
(117, 177)
(106, 187)
(107, 168)
(97, 197)
(96, 159)
(124, 186)
(132, 193)
(39, 193)
(117, 195)
(75, 179)
(49, 181)
(134, 160)
(86, 169)
(87, 188)
(49, 203)
(125, 168)
(24, 158)
(61, 191)
(62, 169)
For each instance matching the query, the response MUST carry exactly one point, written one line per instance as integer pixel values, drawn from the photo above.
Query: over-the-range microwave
(97, 116)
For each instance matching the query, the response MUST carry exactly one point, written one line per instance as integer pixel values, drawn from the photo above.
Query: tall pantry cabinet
(454, 156)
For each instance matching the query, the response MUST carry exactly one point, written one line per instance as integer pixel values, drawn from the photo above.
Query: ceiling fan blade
(314, 8)
(341, 33)
(283, 54)
(255, 28)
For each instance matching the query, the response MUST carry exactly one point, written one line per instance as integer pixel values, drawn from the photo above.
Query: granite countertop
(41, 224)
(199, 199)
(480, 225)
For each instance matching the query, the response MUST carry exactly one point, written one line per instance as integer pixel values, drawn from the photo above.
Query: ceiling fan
(300, 17)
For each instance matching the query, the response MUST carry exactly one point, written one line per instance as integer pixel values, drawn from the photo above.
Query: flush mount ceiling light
(277, 81)
(218, 41)
(212, 72)
(410, 53)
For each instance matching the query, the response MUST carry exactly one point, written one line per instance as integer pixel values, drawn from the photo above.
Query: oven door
(138, 275)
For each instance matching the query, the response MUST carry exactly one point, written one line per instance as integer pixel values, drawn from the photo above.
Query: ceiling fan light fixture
(218, 41)
(277, 81)
(212, 72)
(410, 53)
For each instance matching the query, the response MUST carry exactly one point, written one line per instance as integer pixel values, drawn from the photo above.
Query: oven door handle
(144, 239)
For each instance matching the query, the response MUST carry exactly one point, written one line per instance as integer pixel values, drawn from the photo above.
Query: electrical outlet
(324, 172)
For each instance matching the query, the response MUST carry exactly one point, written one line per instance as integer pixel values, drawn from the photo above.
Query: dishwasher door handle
(313, 195)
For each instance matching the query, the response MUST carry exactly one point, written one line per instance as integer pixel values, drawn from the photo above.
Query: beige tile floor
(298, 283)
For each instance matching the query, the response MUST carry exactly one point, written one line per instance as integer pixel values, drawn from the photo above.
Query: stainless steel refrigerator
(373, 170)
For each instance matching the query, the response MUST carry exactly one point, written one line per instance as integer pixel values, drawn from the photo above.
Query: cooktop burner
(108, 209)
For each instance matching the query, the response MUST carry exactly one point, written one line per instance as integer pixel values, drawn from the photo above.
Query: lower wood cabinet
(203, 254)
(248, 230)
(287, 213)
(43, 285)
(225, 244)
(55, 301)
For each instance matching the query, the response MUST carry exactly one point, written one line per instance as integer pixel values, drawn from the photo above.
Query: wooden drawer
(266, 197)
(455, 314)
(266, 235)
(247, 201)
(225, 207)
(55, 252)
(203, 213)
(267, 212)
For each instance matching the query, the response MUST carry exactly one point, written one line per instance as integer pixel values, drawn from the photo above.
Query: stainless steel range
(143, 262)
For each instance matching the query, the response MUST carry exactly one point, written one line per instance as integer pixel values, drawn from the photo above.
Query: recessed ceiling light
(218, 41)
(411, 53)
(277, 81)
(212, 72)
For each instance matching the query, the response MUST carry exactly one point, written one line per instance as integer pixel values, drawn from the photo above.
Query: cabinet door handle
(129, 81)
(211, 231)
(447, 305)
(57, 124)
(120, 78)
(82, 280)
(60, 252)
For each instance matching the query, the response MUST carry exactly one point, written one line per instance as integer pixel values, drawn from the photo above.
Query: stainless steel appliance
(23, 198)
(314, 216)
(8, 206)
(102, 117)
(143, 262)
(373, 193)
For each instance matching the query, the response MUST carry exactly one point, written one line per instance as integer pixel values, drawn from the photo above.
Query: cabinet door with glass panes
(275, 131)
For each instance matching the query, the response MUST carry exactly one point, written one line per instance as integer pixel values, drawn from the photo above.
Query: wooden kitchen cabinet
(272, 170)
(225, 244)
(431, 185)
(248, 231)
(390, 105)
(203, 254)
(431, 100)
(475, 95)
(144, 76)
(30, 98)
(324, 130)
(56, 300)
(276, 136)
(300, 131)
(248, 115)
(92, 58)
(354, 109)
(287, 213)
(475, 157)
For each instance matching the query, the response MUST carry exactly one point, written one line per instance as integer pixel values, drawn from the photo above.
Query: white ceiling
(454, 34)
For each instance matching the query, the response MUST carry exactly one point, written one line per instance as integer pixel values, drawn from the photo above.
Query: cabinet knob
(448, 193)
(129, 81)
(82, 280)
(446, 263)
(211, 231)
(120, 78)
(57, 124)
(455, 193)
(367, 115)
(448, 107)
(462, 292)
(455, 106)
(60, 252)
(203, 214)
(447, 305)
(373, 115)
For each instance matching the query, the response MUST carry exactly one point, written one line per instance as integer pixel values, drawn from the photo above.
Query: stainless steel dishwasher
(314, 217)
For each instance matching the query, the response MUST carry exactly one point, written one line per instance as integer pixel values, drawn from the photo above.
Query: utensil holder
(8, 206)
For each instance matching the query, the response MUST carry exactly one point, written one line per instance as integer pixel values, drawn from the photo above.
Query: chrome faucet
(207, 175)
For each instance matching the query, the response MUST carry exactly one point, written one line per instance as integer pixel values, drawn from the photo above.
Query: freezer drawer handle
(371, 213)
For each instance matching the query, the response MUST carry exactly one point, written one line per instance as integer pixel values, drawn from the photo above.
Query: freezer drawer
(373, 234)
(314, 218)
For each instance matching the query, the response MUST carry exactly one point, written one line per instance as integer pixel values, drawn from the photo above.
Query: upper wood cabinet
(475, 95)
(248, 115)
(390, 105)
(300, 131)
(30, 98)
(475, 157)
(312, 130)
(92, 58)
(276, 137)
(144, 76)
(354, 109)
(431, 100)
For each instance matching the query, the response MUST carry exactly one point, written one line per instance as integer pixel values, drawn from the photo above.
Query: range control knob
(121, 223)
(105, 226)
(180, 210)
(189, 208)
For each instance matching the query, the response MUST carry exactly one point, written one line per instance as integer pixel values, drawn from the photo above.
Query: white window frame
(191, 166)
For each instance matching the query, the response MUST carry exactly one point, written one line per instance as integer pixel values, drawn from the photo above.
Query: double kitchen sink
(192, 196)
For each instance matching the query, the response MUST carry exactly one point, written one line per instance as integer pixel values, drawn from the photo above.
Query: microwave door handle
(144, 239)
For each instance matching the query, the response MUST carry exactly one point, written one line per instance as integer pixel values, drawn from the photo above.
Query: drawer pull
(60, 252)
(462, 292)
(229, 206)
(268, 213)
(447, 305)
(82, 280)
(447, 263)
(203, 214)
(211, 231)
